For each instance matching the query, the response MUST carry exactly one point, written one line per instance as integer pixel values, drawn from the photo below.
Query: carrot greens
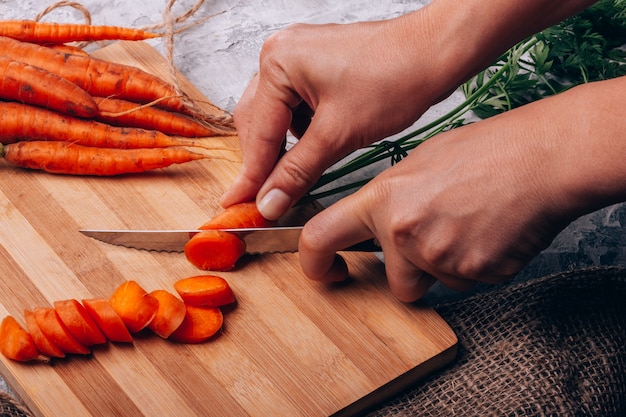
(589, 46)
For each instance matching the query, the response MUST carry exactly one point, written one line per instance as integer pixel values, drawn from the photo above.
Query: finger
(330, 231)
(264, 115)
(406, 281)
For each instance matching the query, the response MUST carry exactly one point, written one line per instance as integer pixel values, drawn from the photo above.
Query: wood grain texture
(291, 347)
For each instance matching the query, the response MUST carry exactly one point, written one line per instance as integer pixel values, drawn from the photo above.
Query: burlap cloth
(553, 346)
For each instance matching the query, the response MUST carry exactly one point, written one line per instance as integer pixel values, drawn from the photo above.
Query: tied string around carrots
(171, 27)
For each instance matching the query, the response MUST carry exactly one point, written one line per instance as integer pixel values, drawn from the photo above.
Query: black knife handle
(370, 245)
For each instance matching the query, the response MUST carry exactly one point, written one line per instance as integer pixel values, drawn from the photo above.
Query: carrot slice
(15, 342)
(108, 320)
(205, 291)
(134, 305)
(199, 325)
(79, 322)
(43, 342)
(52, 326)
(214, 250)
(169, 315)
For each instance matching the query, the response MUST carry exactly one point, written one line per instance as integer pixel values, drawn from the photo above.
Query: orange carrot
(68, 49)
(238, 215)
(52, 326)
(23, 122)
(15, 342)
(126, 113)
(215, 250)
(79, 322)
(67, 158)
(108, 320)
(44, 32)
(169, 315)
(97, 77)
(43, 342)
(135, 306)
(32, 85)
(205, 291)
(199, 325)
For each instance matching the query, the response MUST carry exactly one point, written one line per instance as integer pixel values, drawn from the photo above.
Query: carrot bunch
(74, 327)
(110, 118)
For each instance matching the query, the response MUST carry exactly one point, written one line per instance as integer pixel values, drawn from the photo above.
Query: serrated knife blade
(257, 240)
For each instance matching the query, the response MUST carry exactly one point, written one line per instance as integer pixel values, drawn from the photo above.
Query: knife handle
(370, 245)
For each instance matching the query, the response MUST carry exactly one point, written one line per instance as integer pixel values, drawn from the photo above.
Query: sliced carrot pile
(134, 305)
(43, 342)
(15, 342)
(79, 323)
(52, 326)
(73, 327)
(169, 315)
(108, 320)
(214, 250)
(199, 325)
(205, 291)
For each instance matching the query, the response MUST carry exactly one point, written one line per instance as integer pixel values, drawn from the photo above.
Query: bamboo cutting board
(290, 347)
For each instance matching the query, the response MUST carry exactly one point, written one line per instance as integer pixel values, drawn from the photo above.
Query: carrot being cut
(23, 122)
(169, 315)
(79, 322)
(236, 216)
(135, 306)
(199, 325)
(43, 342)
(32, 85)
(48, 32)
(108, 320)
(205, 291)
(52, 326)
(67, 158)
(214, 250)
(97, 77)
(119, 112)
(15, 342)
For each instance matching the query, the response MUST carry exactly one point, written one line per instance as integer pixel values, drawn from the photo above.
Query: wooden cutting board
(291, 346)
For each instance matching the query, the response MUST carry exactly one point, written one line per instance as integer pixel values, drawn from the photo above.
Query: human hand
(473, 204)
(358, 80)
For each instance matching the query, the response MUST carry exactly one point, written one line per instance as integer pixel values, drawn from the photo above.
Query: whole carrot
(125, 113)
(44, 32)
(67, 158)
(97, 77)
(24, 122)
(29, 84)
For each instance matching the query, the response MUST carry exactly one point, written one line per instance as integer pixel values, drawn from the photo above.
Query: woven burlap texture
(554, 346)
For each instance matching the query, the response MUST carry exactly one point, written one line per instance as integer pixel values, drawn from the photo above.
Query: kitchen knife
(258, 240)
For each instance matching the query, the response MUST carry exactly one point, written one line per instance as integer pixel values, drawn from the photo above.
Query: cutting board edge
(399, 384)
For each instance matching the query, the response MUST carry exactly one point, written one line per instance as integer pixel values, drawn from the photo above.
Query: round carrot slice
(199, 325)
(43, 342)
(108, 320)
(79, 322)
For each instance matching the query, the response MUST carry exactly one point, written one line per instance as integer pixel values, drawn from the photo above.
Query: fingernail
(274, 204)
